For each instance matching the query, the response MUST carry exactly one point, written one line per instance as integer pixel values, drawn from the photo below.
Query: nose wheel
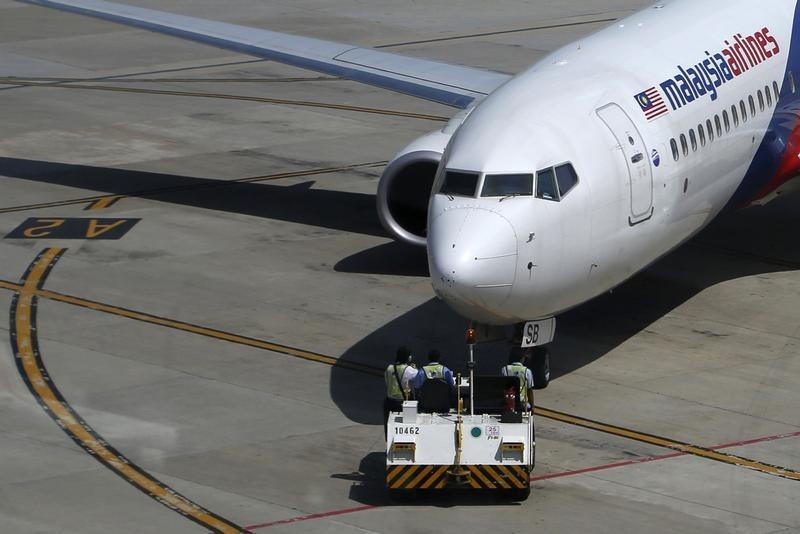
(540, 366)
(539, 357)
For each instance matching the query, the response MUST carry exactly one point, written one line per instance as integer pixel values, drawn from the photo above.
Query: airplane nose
(472, 255)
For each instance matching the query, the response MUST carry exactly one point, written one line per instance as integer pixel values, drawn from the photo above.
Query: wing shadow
(336, 210)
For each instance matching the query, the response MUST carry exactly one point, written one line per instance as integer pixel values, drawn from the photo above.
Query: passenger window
(735, 115)
(726, 120)
(546, 185)
(504, 185)
(693, 140)
(777, 91)
(684, 145)
(710, 129)
(461, 184)
(702, 134)
(718, 123)
(674, 146)
(743, 108)
(752, 105)
(769, 96)
(760, 100)
(566, 178)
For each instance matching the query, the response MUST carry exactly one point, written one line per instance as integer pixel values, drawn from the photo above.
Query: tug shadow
(756, 241)
(369, 488)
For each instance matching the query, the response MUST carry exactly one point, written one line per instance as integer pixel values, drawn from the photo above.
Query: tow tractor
(482, 439)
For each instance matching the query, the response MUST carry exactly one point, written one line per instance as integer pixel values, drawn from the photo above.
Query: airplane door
(637, 161)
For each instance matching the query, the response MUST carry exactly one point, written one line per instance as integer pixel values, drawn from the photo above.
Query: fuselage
(632, 140)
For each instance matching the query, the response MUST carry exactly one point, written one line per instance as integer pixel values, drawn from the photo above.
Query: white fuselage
(574, 175)
(504, 260)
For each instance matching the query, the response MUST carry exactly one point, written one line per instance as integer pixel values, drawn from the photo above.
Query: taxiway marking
(72, 228)
(195, 329)
(541, 478)
(244, 98)
(24, 344)
(463, 37)
(679, 446)
(104, 202)
(667, 443)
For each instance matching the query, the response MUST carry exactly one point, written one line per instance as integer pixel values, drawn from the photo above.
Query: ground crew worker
(433, 371)
(518, 366)
(398, 378)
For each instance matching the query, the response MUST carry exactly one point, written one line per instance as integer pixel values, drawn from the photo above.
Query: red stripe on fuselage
(790, 164)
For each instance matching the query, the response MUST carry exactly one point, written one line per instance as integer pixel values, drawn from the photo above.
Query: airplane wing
(453, 85)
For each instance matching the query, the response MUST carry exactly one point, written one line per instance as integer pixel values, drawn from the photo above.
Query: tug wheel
(519, 494)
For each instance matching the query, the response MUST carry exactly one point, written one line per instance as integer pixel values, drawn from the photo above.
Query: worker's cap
(434, 355)
(403, 353)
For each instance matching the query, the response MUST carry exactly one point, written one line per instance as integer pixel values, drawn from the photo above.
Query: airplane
(556, 185)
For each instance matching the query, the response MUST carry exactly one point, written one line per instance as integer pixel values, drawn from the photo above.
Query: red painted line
(664, 456)
(608, 466)
(323, 515)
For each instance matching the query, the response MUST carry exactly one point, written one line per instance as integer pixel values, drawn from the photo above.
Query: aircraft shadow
(337, 210)
(391, 258)
(756, 241)
(740, 244)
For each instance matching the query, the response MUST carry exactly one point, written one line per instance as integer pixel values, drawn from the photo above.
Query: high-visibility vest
(394, 389)
(521, 372)
(434, 370)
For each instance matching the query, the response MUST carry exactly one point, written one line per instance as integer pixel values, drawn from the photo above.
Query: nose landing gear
(526, 334)
(540, 366)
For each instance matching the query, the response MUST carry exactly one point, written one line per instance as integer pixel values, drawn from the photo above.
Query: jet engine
(405, 186)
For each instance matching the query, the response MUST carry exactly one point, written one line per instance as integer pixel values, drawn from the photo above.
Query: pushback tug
(437, 444)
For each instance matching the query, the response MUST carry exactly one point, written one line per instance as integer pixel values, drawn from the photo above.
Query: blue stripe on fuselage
(770, 153)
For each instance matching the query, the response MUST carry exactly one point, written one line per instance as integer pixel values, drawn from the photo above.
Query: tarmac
(216, 363)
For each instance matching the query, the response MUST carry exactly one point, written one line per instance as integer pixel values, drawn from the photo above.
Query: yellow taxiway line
(659, 441)
(34, 372)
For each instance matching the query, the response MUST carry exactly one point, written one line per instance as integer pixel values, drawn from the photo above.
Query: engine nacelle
(405, 188)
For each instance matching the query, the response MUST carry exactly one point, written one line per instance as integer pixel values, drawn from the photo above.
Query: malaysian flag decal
(653, 106)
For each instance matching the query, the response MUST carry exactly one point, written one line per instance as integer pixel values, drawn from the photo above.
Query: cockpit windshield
(504, 185)
(458, 183)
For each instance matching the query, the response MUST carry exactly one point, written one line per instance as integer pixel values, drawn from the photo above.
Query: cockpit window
(546, 184)
(462, 184)
(554, 183)
(566, 178)
(504, 185)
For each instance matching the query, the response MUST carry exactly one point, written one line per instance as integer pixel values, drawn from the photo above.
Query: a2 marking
(72, 228)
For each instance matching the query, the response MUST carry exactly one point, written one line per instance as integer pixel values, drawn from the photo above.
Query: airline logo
(712, 72)
(652, 104)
